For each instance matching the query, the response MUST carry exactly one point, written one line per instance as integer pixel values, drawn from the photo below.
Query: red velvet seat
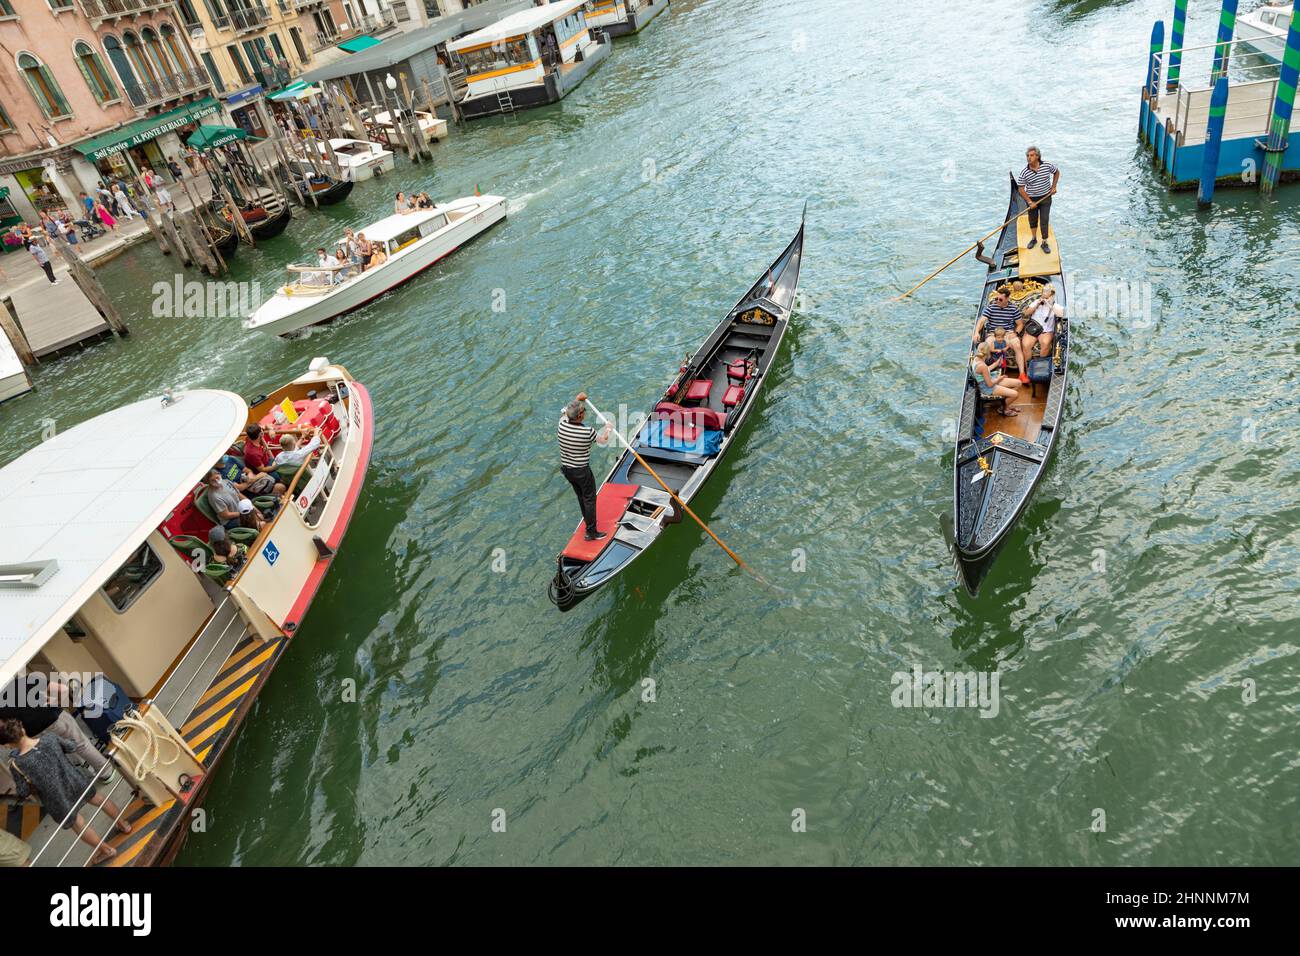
(703, 417)
(733, 395)
(739, 371)
(698, 390)
(679, 430)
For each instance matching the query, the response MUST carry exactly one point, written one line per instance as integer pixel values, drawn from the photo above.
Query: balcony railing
(174, 84)
(304, 4)
(249, 18)
(112, 9)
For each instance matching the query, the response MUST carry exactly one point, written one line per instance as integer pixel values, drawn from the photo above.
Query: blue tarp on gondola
(707, 441)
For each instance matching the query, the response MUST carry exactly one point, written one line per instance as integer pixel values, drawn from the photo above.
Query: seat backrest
(704, 417)
(201, 502)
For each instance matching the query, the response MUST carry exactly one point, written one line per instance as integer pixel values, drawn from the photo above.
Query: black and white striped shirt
(1000, 317)
(1037, 182)
(575, 443)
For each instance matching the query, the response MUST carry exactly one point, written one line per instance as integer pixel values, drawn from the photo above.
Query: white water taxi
(107, 575)
(1264, 29)
(14, 380)
(530, 58)
(411, 242)
(431, 127)
(624, 17)
(361, 159)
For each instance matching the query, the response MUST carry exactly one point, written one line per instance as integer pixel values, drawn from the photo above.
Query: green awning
(295, 91)
(210, 137)
(143, 130)
(357, 44)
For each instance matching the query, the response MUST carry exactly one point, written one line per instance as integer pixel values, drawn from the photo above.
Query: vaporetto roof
(89, 496)
(518, 23)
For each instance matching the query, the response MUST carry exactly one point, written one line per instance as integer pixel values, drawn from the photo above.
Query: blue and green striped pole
(1280, 125)
(1176, 45)
(1151, 89)
(1213, 140)
(1222, 48)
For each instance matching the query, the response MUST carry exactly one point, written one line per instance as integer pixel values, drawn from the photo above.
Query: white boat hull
(287, 313)
(1262, 40)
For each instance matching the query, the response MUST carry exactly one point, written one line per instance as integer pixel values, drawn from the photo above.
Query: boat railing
(317, 280)
(92, 812)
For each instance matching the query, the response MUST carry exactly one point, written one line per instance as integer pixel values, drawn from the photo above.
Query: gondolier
(1037, 181)
(575, 440)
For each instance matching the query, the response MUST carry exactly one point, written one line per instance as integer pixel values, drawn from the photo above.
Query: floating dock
(1219, 114)
(53, 317)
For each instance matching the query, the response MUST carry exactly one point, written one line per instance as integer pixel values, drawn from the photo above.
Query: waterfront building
(90, 87)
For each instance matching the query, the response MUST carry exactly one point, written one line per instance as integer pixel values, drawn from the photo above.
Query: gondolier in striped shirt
(575, 458)
(1038, 181)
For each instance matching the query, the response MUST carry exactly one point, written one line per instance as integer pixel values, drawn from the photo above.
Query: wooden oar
(685, 507)
(973, 245)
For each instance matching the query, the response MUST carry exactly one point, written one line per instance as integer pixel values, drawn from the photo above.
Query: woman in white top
(1041, 326)
(124, 204)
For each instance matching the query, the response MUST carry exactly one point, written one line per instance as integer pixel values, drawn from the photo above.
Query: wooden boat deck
(1035, 262)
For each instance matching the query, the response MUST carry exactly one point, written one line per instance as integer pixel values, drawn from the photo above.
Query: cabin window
(74, 630)
(433, 225)
(497, 56)
(133, 578)
(402, 240)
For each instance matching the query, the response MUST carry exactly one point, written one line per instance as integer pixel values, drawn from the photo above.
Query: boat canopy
(76, 507)
(393, 226)
(517, 24)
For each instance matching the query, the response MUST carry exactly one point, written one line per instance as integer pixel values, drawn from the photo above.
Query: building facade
(74, 74)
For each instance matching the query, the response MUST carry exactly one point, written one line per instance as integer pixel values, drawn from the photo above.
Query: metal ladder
(505, 102)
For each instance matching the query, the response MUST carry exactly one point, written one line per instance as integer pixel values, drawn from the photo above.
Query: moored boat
(623, 17)
(183, 642)
(361, 159)
(1000, 459)
(267, 220)
(1264, 29)
(412, 242)
(327, 191)
(226, 242)
(689, 431)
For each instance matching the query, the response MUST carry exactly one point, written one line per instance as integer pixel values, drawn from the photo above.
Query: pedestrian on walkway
(123, 203)
(42, 259)
(105, 216)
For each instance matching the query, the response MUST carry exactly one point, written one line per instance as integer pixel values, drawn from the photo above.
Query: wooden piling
(17, 337)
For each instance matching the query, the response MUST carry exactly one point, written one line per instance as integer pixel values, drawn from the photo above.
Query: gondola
(1000, 459)
(689, 431)
(327, 191)
(267, 221)
(226, 242)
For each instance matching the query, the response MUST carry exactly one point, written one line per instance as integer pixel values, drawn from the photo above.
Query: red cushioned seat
(732, 396)
(704, 417)
(739, 371)
(698, 390)
(679, 430)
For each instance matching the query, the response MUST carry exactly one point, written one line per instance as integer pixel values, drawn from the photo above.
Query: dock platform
(54, 317)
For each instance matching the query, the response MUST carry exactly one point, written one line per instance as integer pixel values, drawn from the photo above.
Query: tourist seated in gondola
(1040, 324)
(1001, 314)
(988, 376)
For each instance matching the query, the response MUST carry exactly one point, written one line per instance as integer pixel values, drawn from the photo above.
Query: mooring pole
(1178, 28)
(1151, 89)
(1280, 126)
(1213, 140)
(1223, 43)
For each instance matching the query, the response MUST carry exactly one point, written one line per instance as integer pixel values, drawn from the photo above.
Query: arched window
(175, 47)
(43, 86)
(92, 69)
(156, 55)
(117, 56)
(138, 60)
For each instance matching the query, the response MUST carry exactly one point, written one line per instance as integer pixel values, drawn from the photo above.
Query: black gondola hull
(995, 474)
(750, 334)
(337, 191)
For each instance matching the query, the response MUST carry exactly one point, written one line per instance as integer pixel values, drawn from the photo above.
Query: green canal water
(1142, 619)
